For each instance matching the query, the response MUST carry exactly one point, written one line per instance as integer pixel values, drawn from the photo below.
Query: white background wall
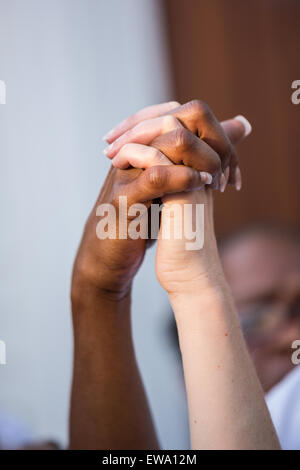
(73, 69)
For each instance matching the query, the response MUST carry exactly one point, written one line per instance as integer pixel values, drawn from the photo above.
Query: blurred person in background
(262, 266)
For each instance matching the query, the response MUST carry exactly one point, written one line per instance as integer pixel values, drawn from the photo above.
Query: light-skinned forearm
(226, 403)
(109, 409)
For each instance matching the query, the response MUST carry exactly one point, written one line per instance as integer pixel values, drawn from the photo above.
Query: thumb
(237, 128)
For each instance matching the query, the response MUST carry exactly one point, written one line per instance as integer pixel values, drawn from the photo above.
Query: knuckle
(174, 104)
(170, 122)
(200, 109)
(126, 148)
(157, 177)
(183, 139)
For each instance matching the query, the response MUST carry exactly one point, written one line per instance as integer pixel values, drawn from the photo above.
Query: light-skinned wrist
(209, 299)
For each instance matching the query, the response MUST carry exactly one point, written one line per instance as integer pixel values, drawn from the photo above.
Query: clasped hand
(176, 154)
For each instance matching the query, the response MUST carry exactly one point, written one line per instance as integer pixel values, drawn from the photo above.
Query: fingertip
(224, 179)
(206, 178)
(222, 183)
(110, 136)
(238, 179)
(109, 151)
(237, 128)
(246, 124)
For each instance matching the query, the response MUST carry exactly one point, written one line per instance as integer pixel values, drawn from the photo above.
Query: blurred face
(264, 275)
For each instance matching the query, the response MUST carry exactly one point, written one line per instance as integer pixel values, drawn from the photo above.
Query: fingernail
(238, 179)
(227, 174)
(222, 183)
(246, 124)
(206, 178)
(108, 149)
(109, 135)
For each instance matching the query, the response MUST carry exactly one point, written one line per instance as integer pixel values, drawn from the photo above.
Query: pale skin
(109, 408)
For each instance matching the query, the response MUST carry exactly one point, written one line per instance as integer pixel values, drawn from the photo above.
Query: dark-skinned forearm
(109, 408)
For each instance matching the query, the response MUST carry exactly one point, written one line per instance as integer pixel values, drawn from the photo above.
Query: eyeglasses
(264, 317)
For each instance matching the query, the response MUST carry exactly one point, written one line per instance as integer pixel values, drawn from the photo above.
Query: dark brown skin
(200, 140)
(109, 409)
(108, 266)
(199, 119)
